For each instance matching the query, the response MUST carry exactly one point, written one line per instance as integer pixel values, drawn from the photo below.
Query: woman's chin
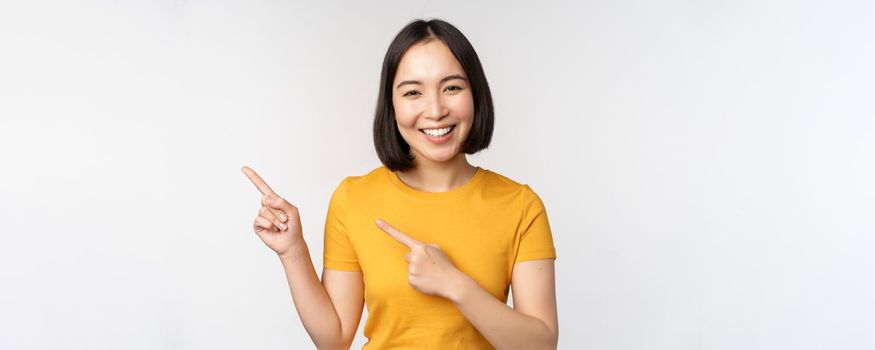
(440, 157)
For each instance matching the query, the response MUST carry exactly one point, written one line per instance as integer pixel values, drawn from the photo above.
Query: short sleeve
(338, 253)
(536, 238)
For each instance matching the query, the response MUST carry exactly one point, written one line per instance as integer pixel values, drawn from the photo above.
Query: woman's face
(434, 107)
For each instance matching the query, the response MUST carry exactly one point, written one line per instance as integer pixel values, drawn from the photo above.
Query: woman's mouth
(438, 135)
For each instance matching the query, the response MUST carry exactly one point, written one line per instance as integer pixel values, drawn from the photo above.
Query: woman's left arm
(532, 323)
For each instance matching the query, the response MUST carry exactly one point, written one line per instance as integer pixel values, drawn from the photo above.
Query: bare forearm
(502, 326)
(314, 307)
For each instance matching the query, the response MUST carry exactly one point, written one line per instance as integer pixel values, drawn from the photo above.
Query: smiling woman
(431, 243)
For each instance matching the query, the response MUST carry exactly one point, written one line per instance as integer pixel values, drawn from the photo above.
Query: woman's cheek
(464, 106)
(405, 114)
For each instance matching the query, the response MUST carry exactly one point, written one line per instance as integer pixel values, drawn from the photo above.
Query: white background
(707, 166)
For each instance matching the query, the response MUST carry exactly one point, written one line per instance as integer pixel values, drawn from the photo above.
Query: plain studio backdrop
(707, 166)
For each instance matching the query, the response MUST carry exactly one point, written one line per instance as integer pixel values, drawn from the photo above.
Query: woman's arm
(531, 324)
(330, 310)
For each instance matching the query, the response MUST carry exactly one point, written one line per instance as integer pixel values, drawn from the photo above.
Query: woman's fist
(429, 269)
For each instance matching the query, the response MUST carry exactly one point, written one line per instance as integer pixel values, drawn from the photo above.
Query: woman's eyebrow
(446, 78)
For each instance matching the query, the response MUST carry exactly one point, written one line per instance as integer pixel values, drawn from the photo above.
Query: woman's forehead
(428, 61)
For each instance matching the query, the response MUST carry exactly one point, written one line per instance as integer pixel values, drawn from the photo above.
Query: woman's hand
(278, 223)
(429, 270)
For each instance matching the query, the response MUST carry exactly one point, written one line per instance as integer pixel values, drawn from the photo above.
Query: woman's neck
(438, 176)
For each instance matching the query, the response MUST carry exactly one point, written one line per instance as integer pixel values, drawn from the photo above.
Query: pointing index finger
(399, 236)
(257, 180)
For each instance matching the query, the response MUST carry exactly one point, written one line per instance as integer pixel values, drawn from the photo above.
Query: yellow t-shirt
(483, 226)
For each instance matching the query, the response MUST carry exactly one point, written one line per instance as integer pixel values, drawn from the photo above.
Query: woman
(429, 242)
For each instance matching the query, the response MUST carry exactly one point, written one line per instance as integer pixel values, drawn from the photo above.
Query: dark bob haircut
(393, 151)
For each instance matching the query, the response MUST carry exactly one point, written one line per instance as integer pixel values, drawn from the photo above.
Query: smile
(438, 132)
(438, 135)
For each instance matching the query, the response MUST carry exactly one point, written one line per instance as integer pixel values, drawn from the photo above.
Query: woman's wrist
(459, 288)
(293, 253)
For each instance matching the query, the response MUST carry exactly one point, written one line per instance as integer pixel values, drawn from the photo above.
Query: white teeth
(437, 132)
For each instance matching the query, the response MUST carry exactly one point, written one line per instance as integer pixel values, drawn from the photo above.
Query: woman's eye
(450, 88)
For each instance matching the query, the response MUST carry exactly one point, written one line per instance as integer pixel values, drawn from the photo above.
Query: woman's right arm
(331, 309)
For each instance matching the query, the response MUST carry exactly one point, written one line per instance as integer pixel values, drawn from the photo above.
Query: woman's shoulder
(496, 179)
(368, 180)
(521, 192)
(498, 183)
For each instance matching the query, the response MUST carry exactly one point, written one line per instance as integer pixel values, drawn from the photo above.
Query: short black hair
(393, 151)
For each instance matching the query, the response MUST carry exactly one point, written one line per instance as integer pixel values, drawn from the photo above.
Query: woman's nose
(437, 110)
